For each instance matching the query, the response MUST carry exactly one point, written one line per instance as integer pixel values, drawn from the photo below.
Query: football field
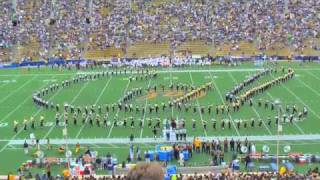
(17, 87)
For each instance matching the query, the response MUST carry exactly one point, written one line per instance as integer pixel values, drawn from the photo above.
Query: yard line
(309, 72)
(110, 146)
(13, 137)
(125, 90)
(147, 141)
(220, 95)
(97, 100)
(145, 111)
(74, 98)
(4, 84)
(205, 131)
(159, 71)
(299, 128)
(292, 93)
(253, 108)
(163, 71)
(299, 99)
(17, 90)
(306, 85)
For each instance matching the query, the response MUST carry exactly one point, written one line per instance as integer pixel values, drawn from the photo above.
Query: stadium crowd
(311, 174)
(65, 25)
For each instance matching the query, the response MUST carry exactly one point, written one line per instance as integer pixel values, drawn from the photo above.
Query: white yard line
(158, 71)
(5, 84)
(222, 99)
(199, 110)
(162, 71)
(97, 100)
(74, 98)
(13, 137)
(312, 138)
(316, 77)
(298, 127)
(253, 108)
(17, 90)
(306, 85)
(125, 90)
(292, 93)
(145, 111)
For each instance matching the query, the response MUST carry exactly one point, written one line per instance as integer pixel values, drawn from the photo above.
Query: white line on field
(74, 98)
(145, 111)
(292, 93)
(124, 92)
(253, 108)
(306, 85)
(17, 90)
(125, 141)
(222, 99)
(163, 71)
(198, 104)
(316, 77)
(13, 137)
(97, 100)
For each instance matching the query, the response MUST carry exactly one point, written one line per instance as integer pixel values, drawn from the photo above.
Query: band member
(84, 117)
(214, 124)
(75, 119)
(57, 119)
(25, 123)
(15, 126)
(32, 122)
(41, 121)
(252, 122)
(222, 124)
(229, 124)
(193, 124)
(98, 120)
(260, 123)
(132, 122)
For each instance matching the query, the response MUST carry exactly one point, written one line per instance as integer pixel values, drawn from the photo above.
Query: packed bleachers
(70, 28)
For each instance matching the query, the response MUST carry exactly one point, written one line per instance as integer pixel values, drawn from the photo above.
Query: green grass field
(17, 86)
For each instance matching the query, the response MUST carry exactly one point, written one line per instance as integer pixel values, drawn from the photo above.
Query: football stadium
(158, 89)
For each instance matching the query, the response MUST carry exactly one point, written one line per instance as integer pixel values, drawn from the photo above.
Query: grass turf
(18, 85)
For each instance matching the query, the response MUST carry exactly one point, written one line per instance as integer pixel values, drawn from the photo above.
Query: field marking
(97, 100)
(5, 82)
(222, 99)
(159, 71)
(309, 87)
(117, 141)
(145, 111)
(111, 146)
(313, 75)
(125, 90)
(298, 127)
(253, 108)
(198, 104)
(13, 137)
(298, 98)
(17, 107)
(17, 90)
(74, 98)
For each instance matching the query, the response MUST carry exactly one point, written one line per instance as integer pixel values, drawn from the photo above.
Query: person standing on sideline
(25, 147)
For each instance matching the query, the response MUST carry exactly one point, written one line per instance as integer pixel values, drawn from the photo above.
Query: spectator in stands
(119, 24)
(145, 171)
